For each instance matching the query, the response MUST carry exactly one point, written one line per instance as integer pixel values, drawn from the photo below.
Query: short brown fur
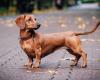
(37, 45)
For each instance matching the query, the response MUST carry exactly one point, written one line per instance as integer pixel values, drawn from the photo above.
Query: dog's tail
(89, 32)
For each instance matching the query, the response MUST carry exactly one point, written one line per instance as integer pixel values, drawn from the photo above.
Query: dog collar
(31, 34)
(26, 37)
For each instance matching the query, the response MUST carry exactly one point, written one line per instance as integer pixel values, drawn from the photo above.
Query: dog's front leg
(37, 59)
(30, 61)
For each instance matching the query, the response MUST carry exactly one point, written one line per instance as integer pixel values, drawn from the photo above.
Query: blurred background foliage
(29, 6)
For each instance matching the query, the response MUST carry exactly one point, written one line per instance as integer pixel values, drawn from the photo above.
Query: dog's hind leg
(84, 56)
(77, 57)
(80, 52)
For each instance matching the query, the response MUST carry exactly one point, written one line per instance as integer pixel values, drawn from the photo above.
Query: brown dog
(38, 45)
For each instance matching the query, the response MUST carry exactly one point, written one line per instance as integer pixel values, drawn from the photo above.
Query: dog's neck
(26, 34)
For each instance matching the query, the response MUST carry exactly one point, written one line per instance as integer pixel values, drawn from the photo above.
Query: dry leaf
(63, 25)
(98, 60)
(60, 21)
(98, 40)
(82, 26)
(94, 18)
(79, 19)
(83, 39)
(45, 24)
(10, 25)
(28, 71)
(70, 58)
(52, 71)
(81, 23)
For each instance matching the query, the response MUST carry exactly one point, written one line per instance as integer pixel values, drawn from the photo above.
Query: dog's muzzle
(37, 26)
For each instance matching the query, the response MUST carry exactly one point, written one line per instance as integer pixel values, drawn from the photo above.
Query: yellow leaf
(63, 25)
(94, 18)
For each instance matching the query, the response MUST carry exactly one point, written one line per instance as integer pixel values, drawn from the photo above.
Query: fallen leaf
(79, 19)
(52, 71)
(71, 59)
(82, 26)
(98, 40)
(83, 39)
(63, 25)
(81, 23)
(28, 71)
(98, 60)
(45, 24)
(94, 18)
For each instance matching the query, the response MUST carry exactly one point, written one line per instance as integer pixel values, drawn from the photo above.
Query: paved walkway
(53, 67)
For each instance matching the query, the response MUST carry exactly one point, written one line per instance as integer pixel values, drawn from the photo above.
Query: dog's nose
(37, 26)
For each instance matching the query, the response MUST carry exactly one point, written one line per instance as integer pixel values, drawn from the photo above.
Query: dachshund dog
(37, 45)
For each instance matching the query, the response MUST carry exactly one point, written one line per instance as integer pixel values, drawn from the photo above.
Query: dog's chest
(28, 45)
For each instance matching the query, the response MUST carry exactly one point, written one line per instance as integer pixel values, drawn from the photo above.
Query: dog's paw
(83, 66)
(28, 65)
(35, 66)
(73, 63)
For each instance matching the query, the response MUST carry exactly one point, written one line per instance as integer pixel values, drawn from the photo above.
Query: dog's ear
(20, 21)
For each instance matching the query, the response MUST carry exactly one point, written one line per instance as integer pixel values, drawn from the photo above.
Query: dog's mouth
(36, 27)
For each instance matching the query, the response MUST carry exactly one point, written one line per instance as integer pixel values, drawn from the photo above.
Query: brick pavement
(12, 57)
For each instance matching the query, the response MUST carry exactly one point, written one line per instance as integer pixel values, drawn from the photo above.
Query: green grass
(3, 11)
(88, 1)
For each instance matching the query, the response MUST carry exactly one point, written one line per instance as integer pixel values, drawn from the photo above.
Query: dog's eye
(29, 19)
(35, 19)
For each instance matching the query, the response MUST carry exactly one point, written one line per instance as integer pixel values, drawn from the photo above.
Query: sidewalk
(53, 66)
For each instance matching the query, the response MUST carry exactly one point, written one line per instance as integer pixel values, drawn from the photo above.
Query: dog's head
(27, 22)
